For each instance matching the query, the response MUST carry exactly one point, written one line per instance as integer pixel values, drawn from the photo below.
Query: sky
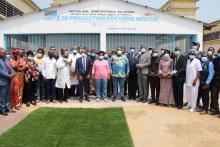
(208, 9)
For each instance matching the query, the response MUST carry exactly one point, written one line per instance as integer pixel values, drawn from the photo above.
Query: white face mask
(30, 58)
(191, 57)
(150, 51)
(194, 47)
(210, 53)
(39, 55)
(119, 52)
(154, 55)
(143, 50)
(83, 54)
(101, 57)
(75, 51)
(166, 55)
(132, 50)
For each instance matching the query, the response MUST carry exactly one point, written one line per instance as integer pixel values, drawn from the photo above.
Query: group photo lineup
(95, 73)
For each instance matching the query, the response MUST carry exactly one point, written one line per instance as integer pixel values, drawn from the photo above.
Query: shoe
(213, 113)
(4, 113)
(139, 100)
(187, 107)
(34, 103)
(114, 99)
(81, 100)
(151, 102)
(105, 99)
(192, 110)
(123, 99)
(48, 101)
(87, 99)
(200, 110)
(144, 101)
(66, 101)
(204, 112)
(12, 111)
(219, 115)
(97, 100)
(179, 107)
(28, 104)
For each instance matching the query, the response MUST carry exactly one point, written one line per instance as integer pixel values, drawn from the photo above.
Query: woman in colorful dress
(166, 97)
(18, 65)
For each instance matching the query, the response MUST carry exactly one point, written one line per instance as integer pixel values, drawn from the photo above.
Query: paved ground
(150, 125)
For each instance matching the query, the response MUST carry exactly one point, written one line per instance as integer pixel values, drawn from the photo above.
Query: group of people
(28, 77)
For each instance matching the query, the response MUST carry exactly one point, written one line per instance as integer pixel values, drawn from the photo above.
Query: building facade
(101, 25)
(9, 8)
(212, 36)
(186, 8)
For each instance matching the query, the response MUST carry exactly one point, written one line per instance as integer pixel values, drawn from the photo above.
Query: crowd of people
(28, 77)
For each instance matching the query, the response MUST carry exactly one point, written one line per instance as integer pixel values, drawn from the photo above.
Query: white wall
(166, 24)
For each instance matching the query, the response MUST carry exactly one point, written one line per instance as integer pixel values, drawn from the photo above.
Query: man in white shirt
(49, 71)
(74, 81)
(193, 69)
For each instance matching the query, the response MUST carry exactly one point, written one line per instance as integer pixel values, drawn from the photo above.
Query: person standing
(120, 70)
(63, 77)
(31, 77)
(6, 76)
(83, 69)
(144, 61)
(108, 57)
(206, 76)
(166, 97)
(74, 81)
(101, 74)
(154, 78)
(132, 78)
(18, 65)
(216, 86)
(39, 60)
(179, 74)
(193, 69)
(49, 72)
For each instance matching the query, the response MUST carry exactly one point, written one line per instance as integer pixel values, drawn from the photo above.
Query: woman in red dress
(18, 65)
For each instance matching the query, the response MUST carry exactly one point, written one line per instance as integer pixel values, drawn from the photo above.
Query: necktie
(7, 67)
(84, 63)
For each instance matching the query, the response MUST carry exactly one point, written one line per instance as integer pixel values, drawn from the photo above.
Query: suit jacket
(144, 60)
(80, 68)
(4, 76)
(132, 61)
(180, 67)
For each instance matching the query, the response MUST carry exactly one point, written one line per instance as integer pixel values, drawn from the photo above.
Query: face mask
(89, 54)
(30, 58)
(162, 51)
(218, 54)
(93, 54)
(83, 54)
(65, 59)
(166, 55)
(143, 50)
(125, 54)
(210, 53)
(106, 56)
(191, 57)
(101, 57)
(194, 47)
(150, 51)
(8, 56)
(177, 53)
(204, 59)
(139, 53)
(74, 51)
(154, 54)
(132, 50)
(119, 52)
(39, 55)
(199, 56)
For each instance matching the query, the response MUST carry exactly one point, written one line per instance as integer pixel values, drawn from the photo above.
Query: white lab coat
(63, 74)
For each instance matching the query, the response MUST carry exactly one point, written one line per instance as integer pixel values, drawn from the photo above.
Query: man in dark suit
(132, 78)
(6, 75)
(83, 69)
(179, 71)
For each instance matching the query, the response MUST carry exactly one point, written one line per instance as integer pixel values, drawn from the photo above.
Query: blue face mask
(218, 54)
(204, 59)
(177, 53)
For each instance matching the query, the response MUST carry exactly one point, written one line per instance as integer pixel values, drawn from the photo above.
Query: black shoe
(139, 99)
(114, 99)
(87, 99)
(80, 100)
(179, 107)
(28, 104)
(151, 102)
(123, 99)
(200, 110)
(219, 115)
(4, 113)
(213, 113)
(144, 101)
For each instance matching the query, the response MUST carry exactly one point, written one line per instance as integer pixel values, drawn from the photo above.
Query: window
(8, 10)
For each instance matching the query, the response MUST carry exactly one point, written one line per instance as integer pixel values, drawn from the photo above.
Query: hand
(206, 86)
(88, 77)
(45, 78)
(109, 76)
(80, 78)
(194, 82)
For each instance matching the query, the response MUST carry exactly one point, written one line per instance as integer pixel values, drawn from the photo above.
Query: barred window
(212, 36)
(8, 10)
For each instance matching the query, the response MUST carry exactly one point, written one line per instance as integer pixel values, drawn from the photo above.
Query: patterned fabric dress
(17, 82)
(166, 84)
